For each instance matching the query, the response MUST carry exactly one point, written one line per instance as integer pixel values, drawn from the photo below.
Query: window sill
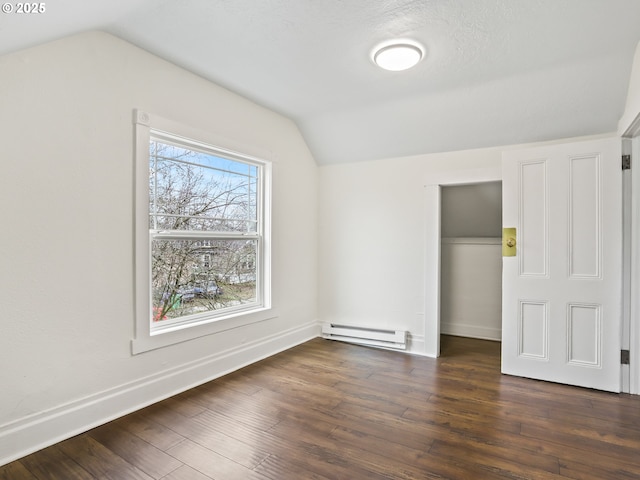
(184, 333)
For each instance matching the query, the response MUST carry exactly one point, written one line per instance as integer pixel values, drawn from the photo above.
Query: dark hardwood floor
(329, 410)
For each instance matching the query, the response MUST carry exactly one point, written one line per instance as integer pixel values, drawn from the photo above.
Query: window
(203, 264)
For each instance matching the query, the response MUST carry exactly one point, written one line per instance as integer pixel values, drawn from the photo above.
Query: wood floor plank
(303, 389)
(235, 381)
(431, 459)
(277, 468)
(404, 434)
(341, 460)
(577, 470)
(211, 463)
(151, 460)
(52, 463)
(323, 372)
(240, 407)
(330, 410)
(465, 421)
(202, 433)
(358, 450)
(497, 460)
(186, 473)
(382, 446)
(155, 434)
(99, 461)
(16, 471)
(590, 445)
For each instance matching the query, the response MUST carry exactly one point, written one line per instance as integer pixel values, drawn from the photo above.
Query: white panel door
(561, 302)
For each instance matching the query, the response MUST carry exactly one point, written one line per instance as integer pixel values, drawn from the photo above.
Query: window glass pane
(191, 190)
(196, 276)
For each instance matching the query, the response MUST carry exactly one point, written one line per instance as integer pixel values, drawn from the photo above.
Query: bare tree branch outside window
(208, 199)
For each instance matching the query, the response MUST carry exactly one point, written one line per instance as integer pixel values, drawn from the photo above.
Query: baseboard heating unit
(396, 339)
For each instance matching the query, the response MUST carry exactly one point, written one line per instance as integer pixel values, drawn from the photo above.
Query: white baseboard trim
(30, 434)
(473, 331)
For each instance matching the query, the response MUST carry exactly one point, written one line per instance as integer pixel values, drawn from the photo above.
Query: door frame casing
(633, 133)
(433, 209)
(634, 300)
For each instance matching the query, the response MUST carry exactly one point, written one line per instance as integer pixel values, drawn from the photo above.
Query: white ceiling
(497, 72)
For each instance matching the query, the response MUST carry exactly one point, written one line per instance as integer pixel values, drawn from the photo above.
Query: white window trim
(144, 338)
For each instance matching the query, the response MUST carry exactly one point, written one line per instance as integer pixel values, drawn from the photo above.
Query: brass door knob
(509, 242)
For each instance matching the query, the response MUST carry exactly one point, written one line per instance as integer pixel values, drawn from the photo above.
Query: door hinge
(626, 162)
(624, 357)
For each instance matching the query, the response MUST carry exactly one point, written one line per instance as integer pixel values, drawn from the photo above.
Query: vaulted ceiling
(496, 72)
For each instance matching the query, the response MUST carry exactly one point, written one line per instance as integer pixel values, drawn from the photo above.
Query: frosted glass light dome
(398, 56)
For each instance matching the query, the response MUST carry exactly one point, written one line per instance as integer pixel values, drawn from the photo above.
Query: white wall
(372, 245)
(372, 238)
(471, 287)
(66, 203)
(632, 105)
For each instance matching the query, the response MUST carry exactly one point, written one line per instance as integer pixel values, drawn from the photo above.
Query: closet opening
(471, 261)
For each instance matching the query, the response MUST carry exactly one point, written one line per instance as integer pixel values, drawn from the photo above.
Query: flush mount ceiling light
(397, 56)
